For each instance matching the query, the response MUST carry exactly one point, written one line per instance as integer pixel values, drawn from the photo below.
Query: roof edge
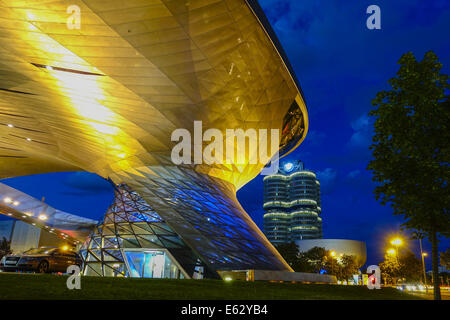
(261, 17)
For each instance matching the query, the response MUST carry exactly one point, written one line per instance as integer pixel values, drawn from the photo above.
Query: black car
(42, 260)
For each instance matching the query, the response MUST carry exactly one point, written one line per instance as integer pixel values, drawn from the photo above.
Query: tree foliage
(411, 147)
(347, 267)
(4, 247)
(290, 253)
(318, 260)
(405, 267)
(390, 269)
(445, 259)
(314, 260)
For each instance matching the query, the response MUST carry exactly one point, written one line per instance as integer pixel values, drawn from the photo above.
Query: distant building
(24, 236)
(442, 269)
(292, 204)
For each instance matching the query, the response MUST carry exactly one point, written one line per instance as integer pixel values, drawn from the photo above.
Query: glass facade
(152, 264)
(293, 129)
(190, 227)
(205, 213)
(292, 204)
(134, 241)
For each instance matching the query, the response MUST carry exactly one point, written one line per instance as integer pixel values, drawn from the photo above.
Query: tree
(445, 259)
(290, 253)
(343, 267)
(410, 267)
(405, 266)
(390, 269)
(311, 261)
(4, 247)
(315, 259)
(411, 150)
(304, 265)
(347, 267)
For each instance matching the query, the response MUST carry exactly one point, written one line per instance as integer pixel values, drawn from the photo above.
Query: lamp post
(392, 252)
(396, 242)
(424, 272)
(332, 261)
(423, 255)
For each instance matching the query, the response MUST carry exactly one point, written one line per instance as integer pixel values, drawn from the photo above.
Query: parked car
(42, 260)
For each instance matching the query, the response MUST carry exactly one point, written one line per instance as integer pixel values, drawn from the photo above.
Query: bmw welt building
(105, 94)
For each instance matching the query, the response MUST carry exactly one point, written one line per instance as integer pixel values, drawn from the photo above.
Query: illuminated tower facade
(292, 205)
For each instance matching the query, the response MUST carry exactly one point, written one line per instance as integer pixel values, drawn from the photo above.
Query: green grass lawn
(36, 286)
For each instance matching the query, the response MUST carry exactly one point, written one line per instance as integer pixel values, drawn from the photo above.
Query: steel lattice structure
(131, 224)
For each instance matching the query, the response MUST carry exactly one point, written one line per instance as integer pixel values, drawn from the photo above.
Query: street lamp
(423, 255)
(391, 251)
(332, 261)
(396, 242)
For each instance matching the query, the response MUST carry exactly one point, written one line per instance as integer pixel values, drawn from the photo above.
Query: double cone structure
(104, 96)
(133, 240)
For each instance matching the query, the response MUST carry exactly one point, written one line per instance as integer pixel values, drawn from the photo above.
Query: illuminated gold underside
(163, 64)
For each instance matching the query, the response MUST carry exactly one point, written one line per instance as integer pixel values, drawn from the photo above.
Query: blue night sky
(340, 65)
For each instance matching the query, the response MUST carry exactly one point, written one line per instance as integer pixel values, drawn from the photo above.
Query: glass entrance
(151, 264)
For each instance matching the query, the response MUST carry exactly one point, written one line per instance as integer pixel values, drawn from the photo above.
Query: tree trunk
(434, 260)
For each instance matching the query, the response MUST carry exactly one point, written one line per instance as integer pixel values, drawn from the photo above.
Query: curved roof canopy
(21, 206)
(105, 97)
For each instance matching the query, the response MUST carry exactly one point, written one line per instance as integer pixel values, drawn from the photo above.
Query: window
(151, 264)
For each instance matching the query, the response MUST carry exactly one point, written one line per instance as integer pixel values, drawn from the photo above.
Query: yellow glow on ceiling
(85, 93)
(121, 118)
(30, 16)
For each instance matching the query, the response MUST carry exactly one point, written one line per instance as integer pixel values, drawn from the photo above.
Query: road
(445, 294)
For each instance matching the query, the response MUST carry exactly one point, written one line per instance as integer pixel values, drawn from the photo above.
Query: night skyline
(341, 65)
